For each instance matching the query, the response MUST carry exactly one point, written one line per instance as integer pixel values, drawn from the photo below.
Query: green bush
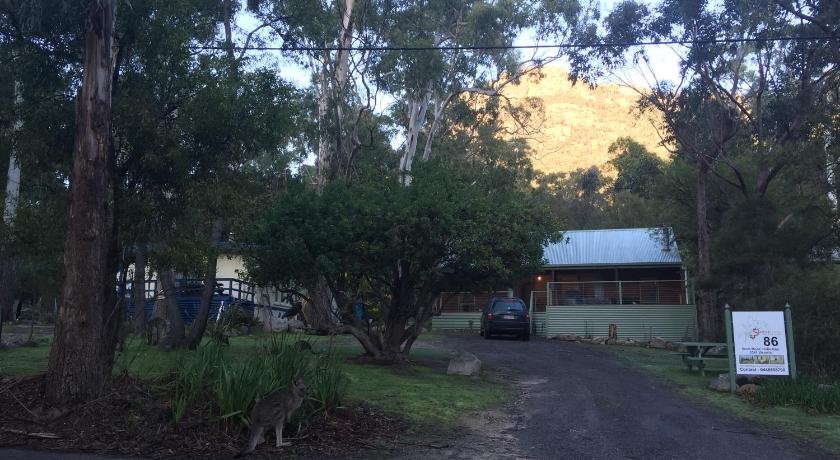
(807, 393)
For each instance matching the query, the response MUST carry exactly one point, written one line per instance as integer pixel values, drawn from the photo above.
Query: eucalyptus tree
(82, 353)
(753, 75)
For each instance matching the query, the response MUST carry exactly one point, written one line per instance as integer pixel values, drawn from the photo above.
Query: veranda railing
(654, 292)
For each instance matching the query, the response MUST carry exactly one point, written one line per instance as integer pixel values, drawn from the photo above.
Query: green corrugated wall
(638, 322)
(538, 323)
(461, 322)
(457, 321)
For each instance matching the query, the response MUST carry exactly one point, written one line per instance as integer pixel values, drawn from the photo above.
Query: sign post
(791, 350)
(727, 319)
(759, 343)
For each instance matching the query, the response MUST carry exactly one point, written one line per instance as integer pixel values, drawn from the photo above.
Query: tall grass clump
(233, 382)
(240, 383)
(328, 385)
(807, 393)
(194, 370)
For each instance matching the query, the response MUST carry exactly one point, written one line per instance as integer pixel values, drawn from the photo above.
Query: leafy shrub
(804, 392)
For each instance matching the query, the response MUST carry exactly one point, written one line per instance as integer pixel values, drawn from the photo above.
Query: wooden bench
(701, 361)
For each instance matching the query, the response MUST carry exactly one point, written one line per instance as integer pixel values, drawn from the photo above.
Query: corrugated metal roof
(624, 246)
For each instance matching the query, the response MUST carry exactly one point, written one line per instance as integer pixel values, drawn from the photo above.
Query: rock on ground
(464, 364)
(721, 383)
(748, 389)
(659, 343)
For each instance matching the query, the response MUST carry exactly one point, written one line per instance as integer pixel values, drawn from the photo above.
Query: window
(506, 305)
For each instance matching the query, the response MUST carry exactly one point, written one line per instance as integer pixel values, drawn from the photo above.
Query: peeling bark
(416, 121)
(82, 355)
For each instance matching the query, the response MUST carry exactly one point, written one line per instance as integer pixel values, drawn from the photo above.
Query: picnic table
(697, 354)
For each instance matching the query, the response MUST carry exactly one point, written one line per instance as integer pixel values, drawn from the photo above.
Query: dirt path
(580, 402)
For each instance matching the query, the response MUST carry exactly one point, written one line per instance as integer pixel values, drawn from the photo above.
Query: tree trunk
(175, 330)
(200, 323)
(79, 362)
(416, 121)
(708, 316)
(138, 291)
(8, 273)
(8, 282)
(318, 312)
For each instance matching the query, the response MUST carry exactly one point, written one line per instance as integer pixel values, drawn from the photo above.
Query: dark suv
(506, 316)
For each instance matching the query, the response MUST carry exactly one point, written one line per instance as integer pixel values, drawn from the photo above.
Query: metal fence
(657, 292)
(232, 287)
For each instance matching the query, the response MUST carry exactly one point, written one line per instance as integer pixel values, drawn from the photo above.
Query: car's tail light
(489, 315)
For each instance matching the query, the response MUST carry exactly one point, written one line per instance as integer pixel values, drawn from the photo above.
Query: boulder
(464, 364)
(748, 389)
(567, 337)
(658, 342)
(721, 383)
(599, 340)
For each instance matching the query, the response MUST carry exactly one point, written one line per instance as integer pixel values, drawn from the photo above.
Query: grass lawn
(824, 429)
(422, 393)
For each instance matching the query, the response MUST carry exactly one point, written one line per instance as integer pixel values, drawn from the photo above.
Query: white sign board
(760, 342)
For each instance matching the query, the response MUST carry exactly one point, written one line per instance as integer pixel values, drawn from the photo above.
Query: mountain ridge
(578, 124)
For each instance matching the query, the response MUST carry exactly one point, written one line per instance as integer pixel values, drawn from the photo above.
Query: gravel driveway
(581, 402)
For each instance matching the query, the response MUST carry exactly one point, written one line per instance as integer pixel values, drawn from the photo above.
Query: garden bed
(135, 419)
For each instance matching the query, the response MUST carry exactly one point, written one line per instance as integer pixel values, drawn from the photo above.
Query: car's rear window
(502, 306)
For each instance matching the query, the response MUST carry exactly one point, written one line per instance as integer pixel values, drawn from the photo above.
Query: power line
(711, 41)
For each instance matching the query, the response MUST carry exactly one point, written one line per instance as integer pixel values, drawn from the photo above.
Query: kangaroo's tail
(253, 440)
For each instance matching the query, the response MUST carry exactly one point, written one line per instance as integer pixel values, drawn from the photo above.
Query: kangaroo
(275, 410)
